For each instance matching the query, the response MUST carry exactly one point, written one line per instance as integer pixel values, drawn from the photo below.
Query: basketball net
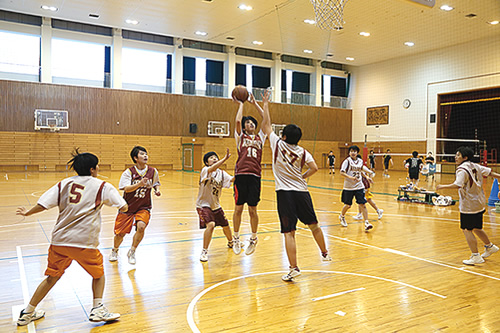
(53, 128)
(329, 13)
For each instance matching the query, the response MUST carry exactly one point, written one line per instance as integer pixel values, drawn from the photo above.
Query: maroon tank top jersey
(140, 198)
(249, 155)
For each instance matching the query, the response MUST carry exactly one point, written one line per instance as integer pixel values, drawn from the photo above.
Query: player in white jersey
(469, 181)
(351, 170)
(293, 198)
(76, 233)
(212, 180)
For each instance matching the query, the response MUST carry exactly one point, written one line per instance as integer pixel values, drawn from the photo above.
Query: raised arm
(266, 118)
(217, 164)
(257, 106)
(239, 116)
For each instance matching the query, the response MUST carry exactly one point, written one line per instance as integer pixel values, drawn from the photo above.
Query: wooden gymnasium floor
(405, 275)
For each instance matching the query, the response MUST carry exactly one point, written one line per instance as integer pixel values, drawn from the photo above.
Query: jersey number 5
(75, 194)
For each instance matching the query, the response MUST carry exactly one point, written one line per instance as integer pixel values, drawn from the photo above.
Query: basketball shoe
(368, 226)
(236, 245)
(294, 272)
(342, 220)
(380, 212)
(489, 250)
(326, 257)
(204, 255)
(131, 257)
(252, 243)
(100, 313)
(27, 317)
(474, 259)
(358, 216)
(113, 256)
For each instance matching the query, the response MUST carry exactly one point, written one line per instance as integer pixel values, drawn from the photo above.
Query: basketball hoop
(53, 128)
(329, 13)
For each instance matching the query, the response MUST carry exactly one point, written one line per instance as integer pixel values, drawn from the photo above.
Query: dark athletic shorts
(246, 190)
(207, 215)
(347, 196)
(413, 174)
(293, 205)
(471, 221)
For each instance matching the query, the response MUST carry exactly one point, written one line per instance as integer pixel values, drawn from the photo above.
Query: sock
(254, 235)
(366, 221)
(29, 308)
(475, 254)
(115, 249)
(489, 245)
(97, 302)
(204, 250)
(132, 248)
(324, 253)
(236, 234)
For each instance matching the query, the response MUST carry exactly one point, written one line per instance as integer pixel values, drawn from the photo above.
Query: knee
(141, 227)
(210, 225)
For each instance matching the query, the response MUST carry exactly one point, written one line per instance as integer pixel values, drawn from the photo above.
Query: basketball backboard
(218, 128)
(278, 129)
(51, 119)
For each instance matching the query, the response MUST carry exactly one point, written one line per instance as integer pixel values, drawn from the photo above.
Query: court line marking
(24, 285)
(192, 304)
(337, 294)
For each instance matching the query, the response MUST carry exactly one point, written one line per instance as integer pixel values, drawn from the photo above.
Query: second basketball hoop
(329, 14)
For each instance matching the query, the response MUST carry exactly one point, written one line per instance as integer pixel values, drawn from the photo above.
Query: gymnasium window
(215, 78)
(75, 62)
(334, 91)
(144, 70)
(19, 56)
(257, 79)
(297, 87)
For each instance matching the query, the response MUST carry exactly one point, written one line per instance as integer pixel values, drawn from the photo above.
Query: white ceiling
(279, 24)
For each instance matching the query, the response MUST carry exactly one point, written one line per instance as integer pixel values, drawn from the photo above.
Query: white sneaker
(100, 313)
(488, 251)
(236, 245)
(26, 318)
(359, 216)
(204, 255)
(474, 260)
(380, 212)
(368, 226)
(252, 243)
(131, 257)
(326, 257)
(342, 221)
(294, 272)
(113, 256)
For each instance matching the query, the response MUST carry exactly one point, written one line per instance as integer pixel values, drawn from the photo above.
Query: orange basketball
(240, 93)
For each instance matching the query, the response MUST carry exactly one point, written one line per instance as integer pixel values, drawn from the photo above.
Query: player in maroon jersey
(136, 182)
(247, 173)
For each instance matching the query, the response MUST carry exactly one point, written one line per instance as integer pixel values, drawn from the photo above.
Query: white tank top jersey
(288, 162)
(353, 168)
(469, 176)
(211, 187)
(80, 199)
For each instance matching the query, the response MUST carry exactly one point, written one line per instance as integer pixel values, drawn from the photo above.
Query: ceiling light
(329, 54)
(309, 21)
(308, 51)
(446, 8)
(134, 22)
(409, 43)
(201, 33)
(494, 22)
(365, 34)
(94, 16)
(51, 8)
(349, 58)
(257, 42)
(245, 7)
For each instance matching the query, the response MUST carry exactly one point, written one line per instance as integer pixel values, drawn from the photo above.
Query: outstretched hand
(251, 98)
(228, 154)
(266, 96)
(21, 211)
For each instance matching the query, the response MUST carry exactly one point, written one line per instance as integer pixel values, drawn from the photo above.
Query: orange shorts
(125, 221)
(60, 257)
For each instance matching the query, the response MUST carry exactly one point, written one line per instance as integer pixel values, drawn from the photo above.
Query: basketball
(240, 93)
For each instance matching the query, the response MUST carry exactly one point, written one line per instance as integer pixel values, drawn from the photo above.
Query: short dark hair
(466, 152)
(83, 162)
(245, 119)
(293, 134)
(388, 150)
(135, 152)
(354, 147)
(207, 156)
(414, 154)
